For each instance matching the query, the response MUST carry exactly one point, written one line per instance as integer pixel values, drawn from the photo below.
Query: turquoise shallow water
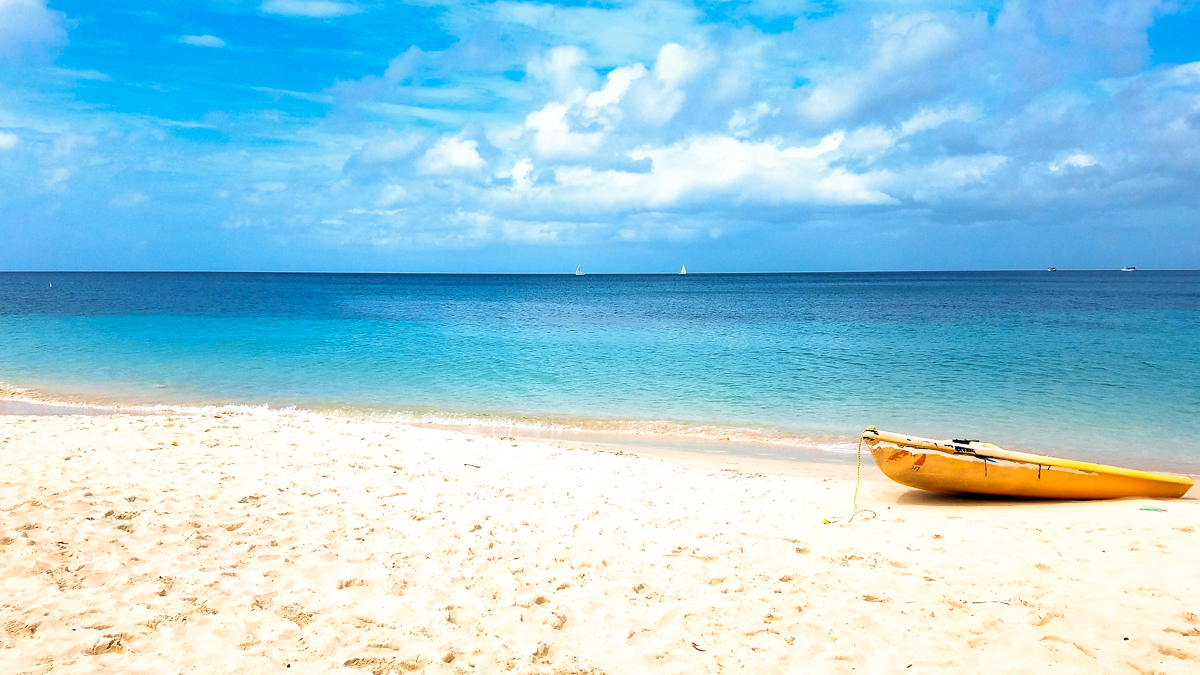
(1098, 365)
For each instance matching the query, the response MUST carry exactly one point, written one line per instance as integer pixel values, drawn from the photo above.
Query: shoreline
(234, 543)
(704, 438)
(735, 444)
(686, 451)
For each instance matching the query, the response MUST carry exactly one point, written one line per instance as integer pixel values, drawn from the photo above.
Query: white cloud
(390, 148)
(505, 135)
(529, 232)
(65, 145)
(82, 74)
(612, 34)
(908, 56)
(722, 168)
(1185, 74)
(260, 191)
(126, 199)
(302, 95)
(565, 68)
(659, 98)
(1077, 160)
(451, 154)
(201, 40)
(936, 182)
(870, 142)
(744, 121)
(26, 24)
(1113, 30)
(56, 179)
(695, 126)
(931, 119)
(390, 195)
(552, 136)
(675, 65)
(317, 9)
(764, 171)
(520, 173)
(615, 87)
(551, 127)
(577, 136)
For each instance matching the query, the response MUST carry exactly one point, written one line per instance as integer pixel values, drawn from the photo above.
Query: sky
(527, 137)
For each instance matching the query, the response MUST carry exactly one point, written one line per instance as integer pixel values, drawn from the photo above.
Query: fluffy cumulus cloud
(751, 126)
(449, 155)
(28, 25)
(944, 115)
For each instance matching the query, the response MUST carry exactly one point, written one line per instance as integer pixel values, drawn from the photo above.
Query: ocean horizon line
(604, 274)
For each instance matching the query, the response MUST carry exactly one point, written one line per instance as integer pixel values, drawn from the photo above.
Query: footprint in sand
(1081, 648)
(296, 615)
(560, 621)
(379, 666)
(20, 628)
(1047, 619)
(542, 654)
(107, 645)
(1176, 652)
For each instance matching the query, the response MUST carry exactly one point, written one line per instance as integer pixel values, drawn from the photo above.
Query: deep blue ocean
(1095, 365)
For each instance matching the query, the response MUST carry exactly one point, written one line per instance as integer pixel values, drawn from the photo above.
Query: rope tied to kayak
(858, 479)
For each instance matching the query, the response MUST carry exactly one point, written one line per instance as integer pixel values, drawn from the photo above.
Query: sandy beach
(263, 543)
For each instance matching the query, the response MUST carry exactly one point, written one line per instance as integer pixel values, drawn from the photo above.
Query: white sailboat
(683, 269)
(578, 271)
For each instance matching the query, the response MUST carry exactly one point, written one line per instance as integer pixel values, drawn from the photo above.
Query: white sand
(264, 544)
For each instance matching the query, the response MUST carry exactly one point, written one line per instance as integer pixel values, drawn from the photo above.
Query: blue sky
(759, 135)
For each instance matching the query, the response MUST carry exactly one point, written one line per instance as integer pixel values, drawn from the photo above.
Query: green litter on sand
(1153, 508)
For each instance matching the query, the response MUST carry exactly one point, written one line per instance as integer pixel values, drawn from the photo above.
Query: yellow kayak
(957, 467)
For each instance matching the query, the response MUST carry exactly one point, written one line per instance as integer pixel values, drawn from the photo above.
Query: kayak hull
(954, 467)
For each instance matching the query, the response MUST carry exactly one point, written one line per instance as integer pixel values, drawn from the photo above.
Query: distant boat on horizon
(683, 269)
(1051, 269)
(1128, 269)
(579, 272)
